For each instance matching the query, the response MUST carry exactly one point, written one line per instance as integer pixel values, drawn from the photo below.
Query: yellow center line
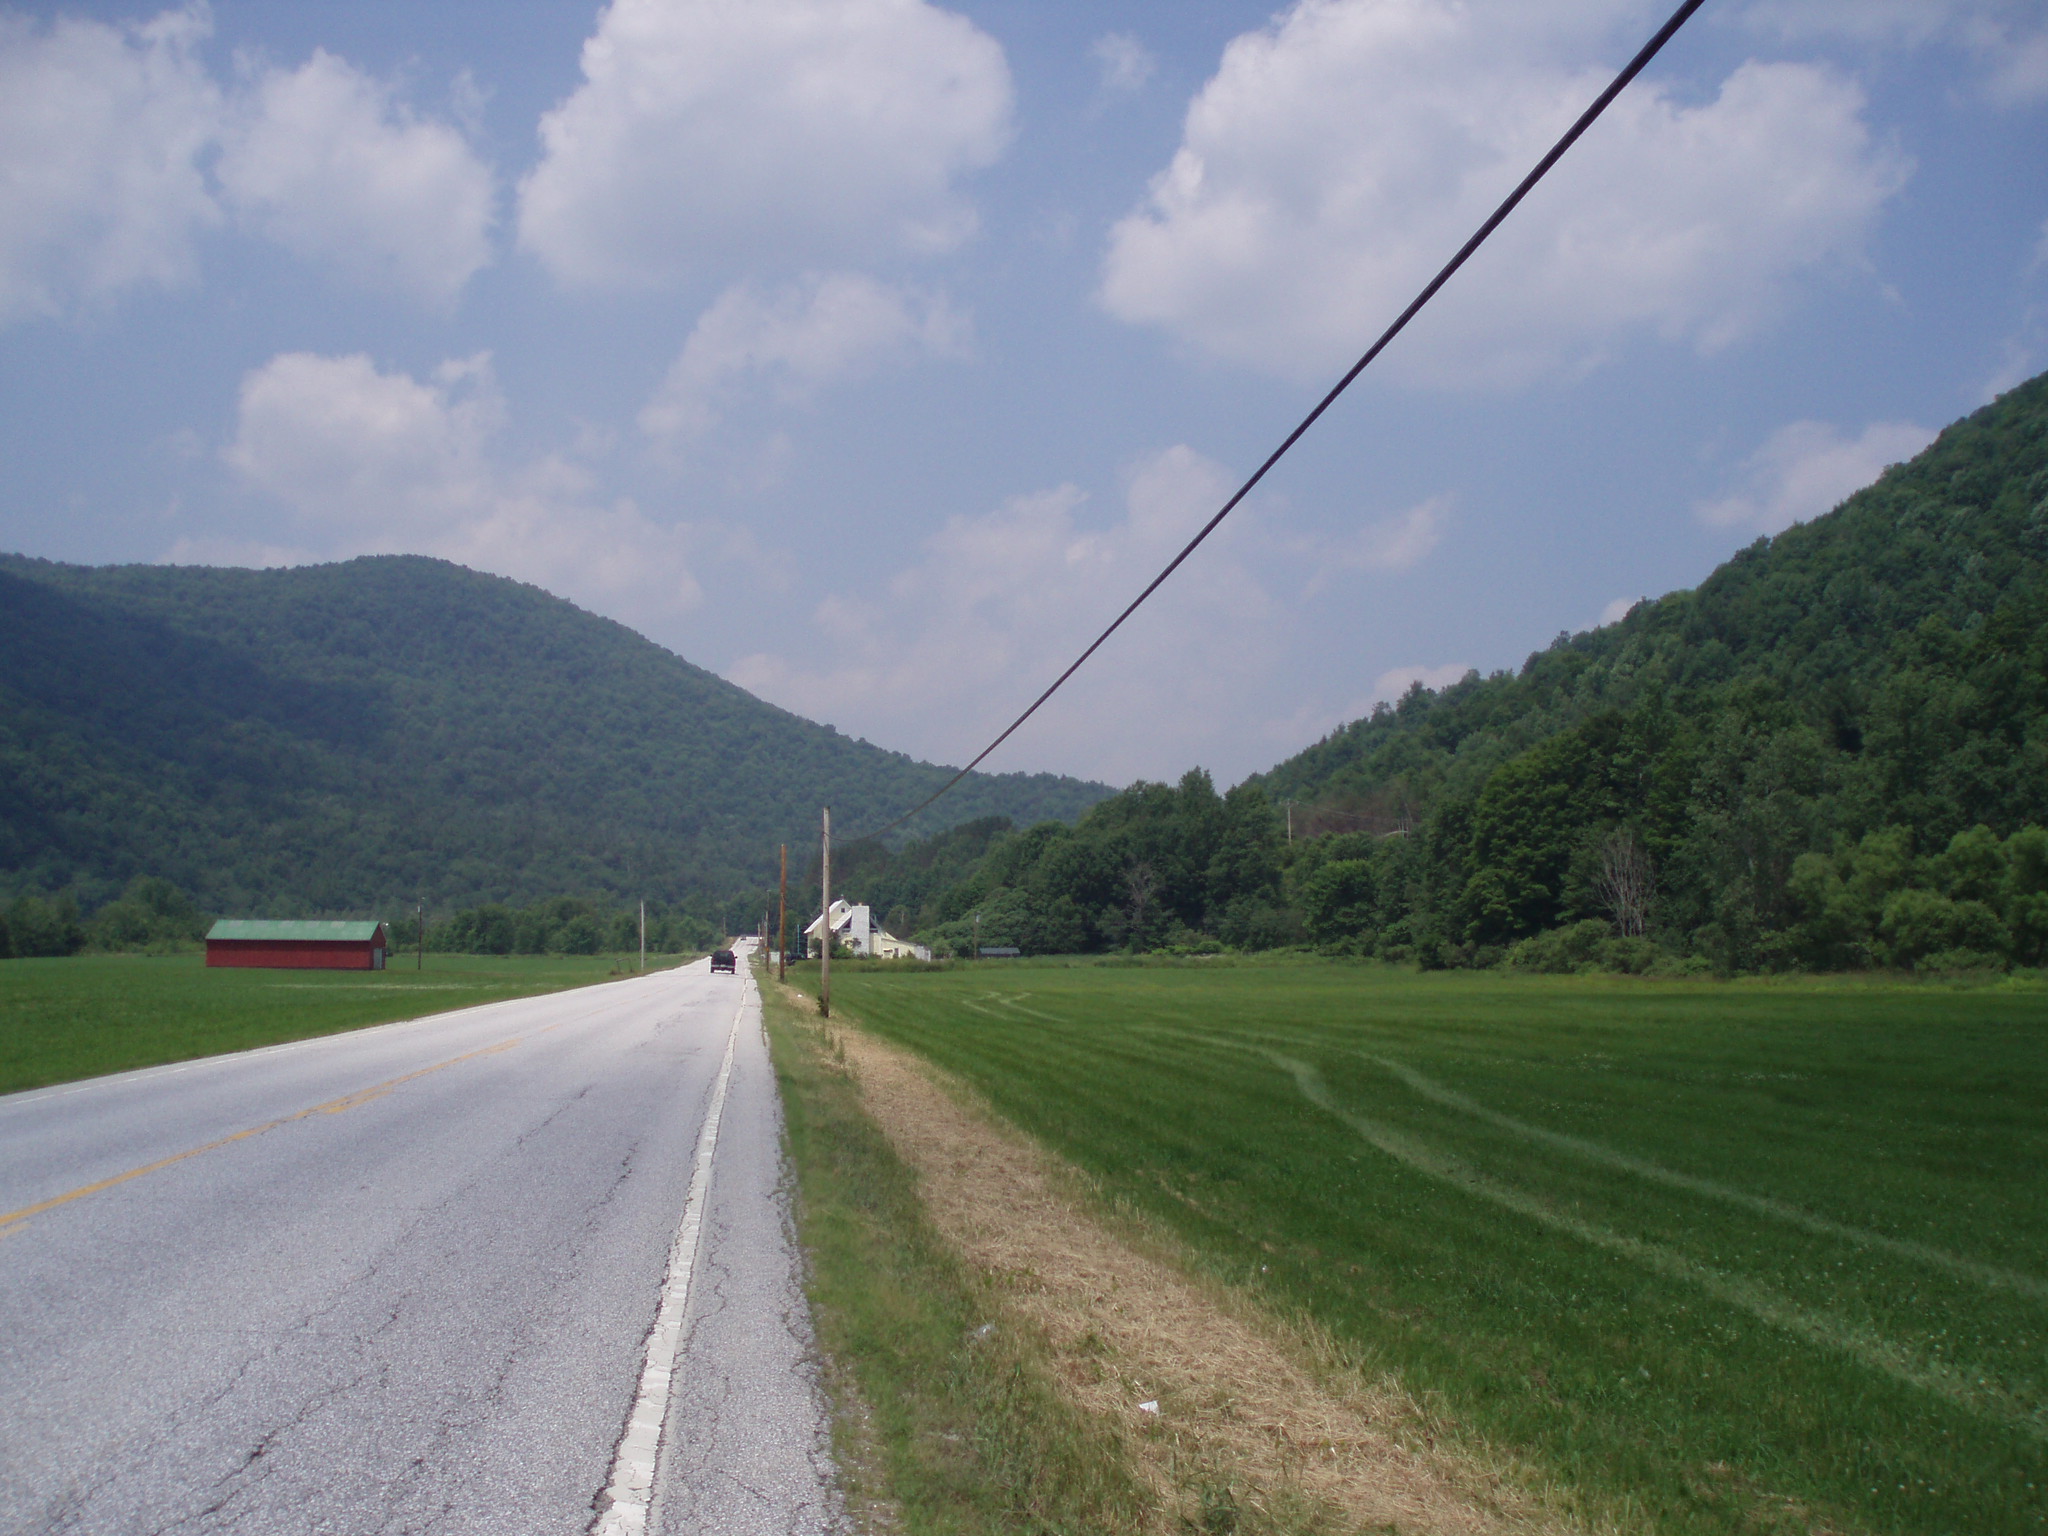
(332, 1107)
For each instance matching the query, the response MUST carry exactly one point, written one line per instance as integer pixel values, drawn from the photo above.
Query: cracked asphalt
(420, 1307)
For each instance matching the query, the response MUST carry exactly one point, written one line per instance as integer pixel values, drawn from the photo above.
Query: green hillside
(1832, 753)
(347, 737)
(1817, 728)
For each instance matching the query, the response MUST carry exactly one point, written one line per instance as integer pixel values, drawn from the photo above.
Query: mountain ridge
(345, 736)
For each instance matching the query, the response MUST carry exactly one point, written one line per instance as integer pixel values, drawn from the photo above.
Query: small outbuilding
(297, 946)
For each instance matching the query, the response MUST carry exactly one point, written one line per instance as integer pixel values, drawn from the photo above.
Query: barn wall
(294, 955)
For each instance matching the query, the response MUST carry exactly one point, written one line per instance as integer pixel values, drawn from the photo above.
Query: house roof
(331, 932)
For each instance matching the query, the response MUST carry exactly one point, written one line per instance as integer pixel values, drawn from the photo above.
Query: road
(407, 1280)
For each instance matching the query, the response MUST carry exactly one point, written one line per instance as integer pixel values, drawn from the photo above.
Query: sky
(874, 353)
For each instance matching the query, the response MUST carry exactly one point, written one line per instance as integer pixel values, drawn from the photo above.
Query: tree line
(568, 925)
(154, 916)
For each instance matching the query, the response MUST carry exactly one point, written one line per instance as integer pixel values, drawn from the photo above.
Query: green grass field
(1721, 1257)
(88, 1014)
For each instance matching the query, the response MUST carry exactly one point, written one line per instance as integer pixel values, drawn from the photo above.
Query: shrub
(1631, 957)
(1562, 951)
(1920, 923)
(579, 936)
(1336, 901)
(39, 928)
(1950, 961)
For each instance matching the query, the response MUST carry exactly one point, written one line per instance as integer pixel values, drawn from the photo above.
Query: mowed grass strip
(947, 1423)
(1722, 1257)
(86, 1015)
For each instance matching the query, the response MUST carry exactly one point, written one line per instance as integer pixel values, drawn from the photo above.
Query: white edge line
(624, 1504)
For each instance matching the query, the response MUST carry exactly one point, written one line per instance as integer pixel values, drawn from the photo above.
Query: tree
(1627, 883)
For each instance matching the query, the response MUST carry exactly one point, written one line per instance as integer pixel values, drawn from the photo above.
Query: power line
(1600, 104)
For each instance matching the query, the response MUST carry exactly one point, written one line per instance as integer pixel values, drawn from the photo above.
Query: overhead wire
(1571, 135)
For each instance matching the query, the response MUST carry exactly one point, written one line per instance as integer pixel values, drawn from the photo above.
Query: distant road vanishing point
(524, 1268)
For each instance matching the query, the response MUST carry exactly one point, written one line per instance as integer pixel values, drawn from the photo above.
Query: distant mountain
(345, 737)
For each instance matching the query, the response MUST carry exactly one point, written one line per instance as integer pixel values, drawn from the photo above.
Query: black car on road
(722, 960)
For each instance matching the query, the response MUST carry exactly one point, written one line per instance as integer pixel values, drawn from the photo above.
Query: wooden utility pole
(782, 920)
(643, 935)
(421, 963)
(825, 923)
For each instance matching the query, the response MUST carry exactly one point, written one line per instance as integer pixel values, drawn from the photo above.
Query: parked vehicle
(722, 960)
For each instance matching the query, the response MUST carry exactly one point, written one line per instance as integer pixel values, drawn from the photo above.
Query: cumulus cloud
(1807, 468)
(1396, 543)
(374, 462)
(1339, 155)
(2007, 38)
(998, 603)
(1124, 62)
(813, 130)
(824, 329)
(327, 162)
(105, 136)
(101, 130)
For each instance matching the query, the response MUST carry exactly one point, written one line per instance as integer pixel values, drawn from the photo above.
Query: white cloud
(104, 136)
(2027, 343)
(327, 162)
(999, 603)
(1126, 64)
(373, 462)
(1390, 685)
(1807, 468)
(1618, 610)
(824, 329)
(1340, 155)
(2008, 39)
(813, 131)
(1397, 543)
(101, 130)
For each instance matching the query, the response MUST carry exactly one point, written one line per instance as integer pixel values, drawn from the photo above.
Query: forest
(354, 739)
(1832, 754)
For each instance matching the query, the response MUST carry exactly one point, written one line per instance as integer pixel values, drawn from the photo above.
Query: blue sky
(872, 354)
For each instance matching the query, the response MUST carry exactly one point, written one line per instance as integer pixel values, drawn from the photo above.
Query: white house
(854, 926)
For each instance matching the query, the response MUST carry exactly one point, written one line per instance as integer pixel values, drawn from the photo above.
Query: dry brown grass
(1255, 1417)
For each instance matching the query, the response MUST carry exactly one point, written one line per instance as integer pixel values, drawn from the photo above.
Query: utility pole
(782, 919)
(825, 923)
(977, 938)
(1290, 821)
(421, 963)
(643, 935)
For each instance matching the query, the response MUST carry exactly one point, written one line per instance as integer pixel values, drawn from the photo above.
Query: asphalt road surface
(407, 1279)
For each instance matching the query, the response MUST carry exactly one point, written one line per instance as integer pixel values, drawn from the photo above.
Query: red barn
(317, 946)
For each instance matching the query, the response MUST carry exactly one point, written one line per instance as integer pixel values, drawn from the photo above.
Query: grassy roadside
(86, 1015)
(947, 1423)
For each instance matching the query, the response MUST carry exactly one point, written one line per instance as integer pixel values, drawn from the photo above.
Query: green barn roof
(256, 928)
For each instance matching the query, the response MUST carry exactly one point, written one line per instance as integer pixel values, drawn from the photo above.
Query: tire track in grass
(1990, 1275)
(1971, 1392)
